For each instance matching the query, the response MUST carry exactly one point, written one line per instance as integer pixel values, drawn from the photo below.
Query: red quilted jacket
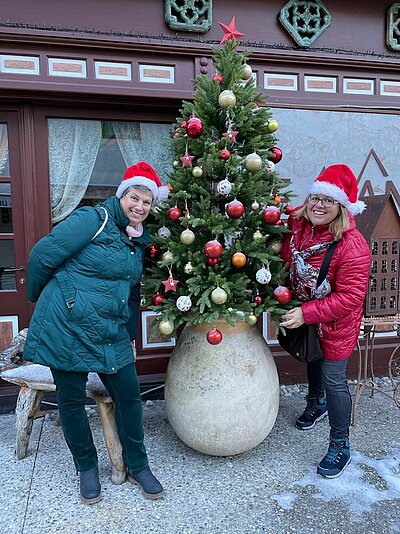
(340, 312)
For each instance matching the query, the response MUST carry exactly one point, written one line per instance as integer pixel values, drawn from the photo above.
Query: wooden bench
(34, 381)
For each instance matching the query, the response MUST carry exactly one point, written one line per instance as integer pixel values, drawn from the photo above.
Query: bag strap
(325, 264)
(103, 225)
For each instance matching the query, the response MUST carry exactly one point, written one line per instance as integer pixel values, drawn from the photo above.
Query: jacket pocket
(95, 316)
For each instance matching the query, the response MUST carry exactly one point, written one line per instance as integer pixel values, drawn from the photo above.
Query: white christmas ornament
(253, 162)
(247, 72)
(269, 166)
(167, 256)
(263, 275)
(188, 268)
(224, 187)
(227, 99)
(219, 295)
(184, 303)
(164, 232)
(166, 327)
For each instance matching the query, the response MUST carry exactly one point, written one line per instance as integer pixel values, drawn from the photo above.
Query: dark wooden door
(14, 306)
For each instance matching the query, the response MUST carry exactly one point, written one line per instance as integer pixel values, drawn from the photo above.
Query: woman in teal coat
(85, 277)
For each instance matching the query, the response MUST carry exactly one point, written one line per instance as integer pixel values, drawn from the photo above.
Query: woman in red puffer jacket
(336, 306)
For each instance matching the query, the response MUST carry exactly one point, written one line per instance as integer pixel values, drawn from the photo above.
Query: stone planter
(222, 400)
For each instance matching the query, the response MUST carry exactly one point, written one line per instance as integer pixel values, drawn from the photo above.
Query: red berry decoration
(224, 154)
(157, 299)
(258, 300)
(234, 209)
(173, 214)
(217, 78)
(271, 215)
(152, 252)
(288, 209)
(194, 127)
(282, 294)
(212, 261)
(214, 336)
(213, 249)
(276, 154)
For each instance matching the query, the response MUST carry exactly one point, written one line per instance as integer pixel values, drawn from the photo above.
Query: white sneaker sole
(332, 476)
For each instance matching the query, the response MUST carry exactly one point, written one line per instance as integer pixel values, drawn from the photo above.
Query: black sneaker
(336, 459)
(315, 411)
(150, 486)
(90, 486)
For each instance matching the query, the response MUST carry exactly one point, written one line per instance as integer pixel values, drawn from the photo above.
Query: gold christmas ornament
(247, 72)
(275, 246)
(255, 206)
(257, 235)
(251, 320)
(253, 162)
(188, 268)
(272, 125)
(166, 327)
(219, 295)
(227, 99)
(168, 256)
(197, 172)
(187, 237)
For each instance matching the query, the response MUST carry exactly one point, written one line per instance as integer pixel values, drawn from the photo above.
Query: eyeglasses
(326, 202)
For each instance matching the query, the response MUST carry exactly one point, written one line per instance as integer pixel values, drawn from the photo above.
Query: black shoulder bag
(303, 342)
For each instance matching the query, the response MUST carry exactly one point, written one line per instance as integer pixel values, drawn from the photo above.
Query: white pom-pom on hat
(339, 182)
(143, 174)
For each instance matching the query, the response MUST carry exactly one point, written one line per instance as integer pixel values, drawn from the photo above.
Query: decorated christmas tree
(217, 240)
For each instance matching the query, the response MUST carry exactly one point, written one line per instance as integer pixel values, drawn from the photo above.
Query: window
(374, 248)
(383, 303)
(373, 284)
(384, 266)
(394, 247)
(373, 303)
(89, 163)
(393, 266)
(392, 303)
(383, 284)
(393, 284)
(374, 266)
(384, 247)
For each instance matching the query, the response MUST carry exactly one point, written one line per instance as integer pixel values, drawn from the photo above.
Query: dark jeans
(329, 376)
(123, 388)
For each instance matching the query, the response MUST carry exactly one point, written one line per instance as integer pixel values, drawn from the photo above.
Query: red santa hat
(143, 174)
(339, 182)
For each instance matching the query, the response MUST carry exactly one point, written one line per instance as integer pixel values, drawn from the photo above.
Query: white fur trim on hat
(159, 193)
(335, 192)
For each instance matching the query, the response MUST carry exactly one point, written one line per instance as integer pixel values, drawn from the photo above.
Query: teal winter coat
(87, 292)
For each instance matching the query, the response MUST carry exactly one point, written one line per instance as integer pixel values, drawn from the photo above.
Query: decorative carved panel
(305, 21)
(189, 15)
(393, 27)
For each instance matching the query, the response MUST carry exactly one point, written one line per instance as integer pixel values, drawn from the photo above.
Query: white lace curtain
(145, 141)
(73, 149)
(3, 148)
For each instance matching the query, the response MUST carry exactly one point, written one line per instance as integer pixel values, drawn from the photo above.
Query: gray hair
(137, 187)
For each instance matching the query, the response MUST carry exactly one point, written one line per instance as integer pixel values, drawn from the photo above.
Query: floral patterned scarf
(304, 276)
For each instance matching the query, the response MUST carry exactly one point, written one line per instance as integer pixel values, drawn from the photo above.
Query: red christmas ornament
(231, 135)
(170, 284)
(234, 209)
(173, 214)
(217, 78)
(282, 294)
(157, 299)
(230, 31)
(213, 249)
(183, 124)
(271, 215)
(276, 154)
(186, 159)
(224, 154)
(212, 261)
(152, 252)
(214, 336)
(258, 300)
(194, 127)
(288, 209)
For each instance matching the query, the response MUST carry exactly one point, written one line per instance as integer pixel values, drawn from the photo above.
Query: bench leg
(111, 438)
(28, 404)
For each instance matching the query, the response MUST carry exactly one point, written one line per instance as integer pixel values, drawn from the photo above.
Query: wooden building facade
(85, 86)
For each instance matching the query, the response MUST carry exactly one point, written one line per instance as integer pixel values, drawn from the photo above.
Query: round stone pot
(222, 399)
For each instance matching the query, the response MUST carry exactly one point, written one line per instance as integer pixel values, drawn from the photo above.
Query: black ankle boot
(151, 488)
(90, 486)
